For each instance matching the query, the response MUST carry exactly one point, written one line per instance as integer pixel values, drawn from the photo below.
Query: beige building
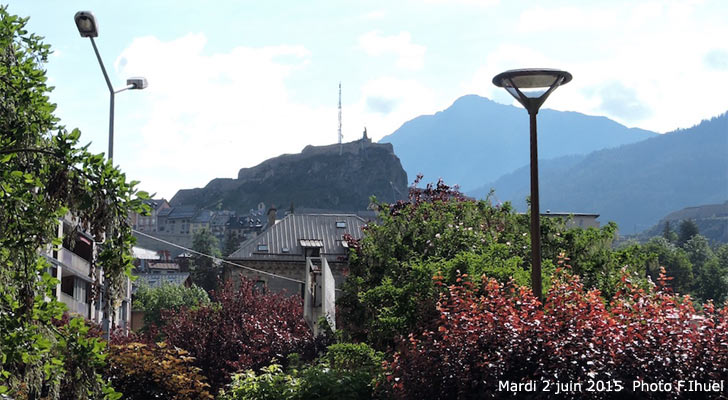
(71, 265)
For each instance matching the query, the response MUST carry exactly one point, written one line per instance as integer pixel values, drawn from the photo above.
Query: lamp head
(531, 86)
(86, 24)
(137, 82)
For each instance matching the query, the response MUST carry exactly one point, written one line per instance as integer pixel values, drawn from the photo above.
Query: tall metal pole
(535, 212)
(106, 309)
(111, 100)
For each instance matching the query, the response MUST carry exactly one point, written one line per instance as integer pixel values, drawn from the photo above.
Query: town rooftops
(287, 239)
(204, 216)
(182, 212)
(154, 203)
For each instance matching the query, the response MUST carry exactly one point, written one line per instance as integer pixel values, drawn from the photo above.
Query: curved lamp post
(87, 27)
(531, 87)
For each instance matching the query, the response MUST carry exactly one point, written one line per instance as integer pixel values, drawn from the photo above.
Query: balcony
(75, 306)
(72, 262)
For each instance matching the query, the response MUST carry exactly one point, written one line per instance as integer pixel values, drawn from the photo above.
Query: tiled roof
(284, 238)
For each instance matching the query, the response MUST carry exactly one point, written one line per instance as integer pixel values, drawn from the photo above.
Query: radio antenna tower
(341, 135)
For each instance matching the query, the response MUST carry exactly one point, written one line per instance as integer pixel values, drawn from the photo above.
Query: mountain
(477, 140)
(334, 177)
(635, 184)
(711, 220)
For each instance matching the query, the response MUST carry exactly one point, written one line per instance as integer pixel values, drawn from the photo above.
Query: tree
(242, 329)
(204, 270)
(167, 297)
(44, 175)
(232, 243)
(155, 371)
(668, 233)
(390, 289)
(662, 254)
(490, 333)
(688, 229)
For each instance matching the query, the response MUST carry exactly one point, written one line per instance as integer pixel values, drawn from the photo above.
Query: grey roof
(204, 216)
(221, 217)
(182, 212)
(288, 232)
(154, 203)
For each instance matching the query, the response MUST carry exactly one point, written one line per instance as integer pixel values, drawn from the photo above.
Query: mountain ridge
(457, 143)
(634, 184)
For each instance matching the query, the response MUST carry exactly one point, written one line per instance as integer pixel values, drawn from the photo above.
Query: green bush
(346, 371)
(167, 297)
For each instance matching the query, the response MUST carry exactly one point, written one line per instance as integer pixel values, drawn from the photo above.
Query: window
(286, 250)
(262, 247)
(341, 224)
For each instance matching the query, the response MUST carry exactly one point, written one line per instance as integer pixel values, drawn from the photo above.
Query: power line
(216, 258)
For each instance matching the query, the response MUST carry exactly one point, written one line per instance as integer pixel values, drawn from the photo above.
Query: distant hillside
(327, 177)
(476, 140)
(636, 184)
(711, 219)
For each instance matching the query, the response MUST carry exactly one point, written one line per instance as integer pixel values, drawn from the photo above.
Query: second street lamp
(87, 27)
(531, 87)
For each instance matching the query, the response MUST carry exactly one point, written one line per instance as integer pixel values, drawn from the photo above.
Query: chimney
(271, 215)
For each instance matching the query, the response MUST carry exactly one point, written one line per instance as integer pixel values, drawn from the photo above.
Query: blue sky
(232, 83)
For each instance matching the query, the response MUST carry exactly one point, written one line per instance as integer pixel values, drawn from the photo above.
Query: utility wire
(216, 258)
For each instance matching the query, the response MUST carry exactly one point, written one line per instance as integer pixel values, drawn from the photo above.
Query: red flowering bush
(242, 329)
(488, 339)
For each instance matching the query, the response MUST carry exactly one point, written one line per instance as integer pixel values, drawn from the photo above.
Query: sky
(233, 83)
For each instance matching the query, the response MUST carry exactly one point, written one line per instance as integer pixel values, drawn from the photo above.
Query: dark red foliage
(501, 333)
(439, 192)
(242, 329)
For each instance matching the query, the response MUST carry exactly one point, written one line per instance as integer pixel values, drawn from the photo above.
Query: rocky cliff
(336, 177)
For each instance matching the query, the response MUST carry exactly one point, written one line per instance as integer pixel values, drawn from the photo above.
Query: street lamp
(531, 87)
(87, 27)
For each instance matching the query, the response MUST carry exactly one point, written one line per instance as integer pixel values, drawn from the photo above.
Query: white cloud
(649, 70)
(409, 55)
(375, 15)
(480, 3)
(210, 114)
(537, 19)
(386, 103)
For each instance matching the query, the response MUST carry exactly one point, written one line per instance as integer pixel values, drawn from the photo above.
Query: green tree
(167, 297)
(390, 289)
(688, 229)
(44, 175)
(678, 267)
(232, 243)
(204, 270)
(668, 233)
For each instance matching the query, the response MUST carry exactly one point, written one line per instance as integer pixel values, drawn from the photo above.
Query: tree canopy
(45, 175)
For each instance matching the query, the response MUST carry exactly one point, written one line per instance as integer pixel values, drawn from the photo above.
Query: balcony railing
(74, 305)
(74, 263)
